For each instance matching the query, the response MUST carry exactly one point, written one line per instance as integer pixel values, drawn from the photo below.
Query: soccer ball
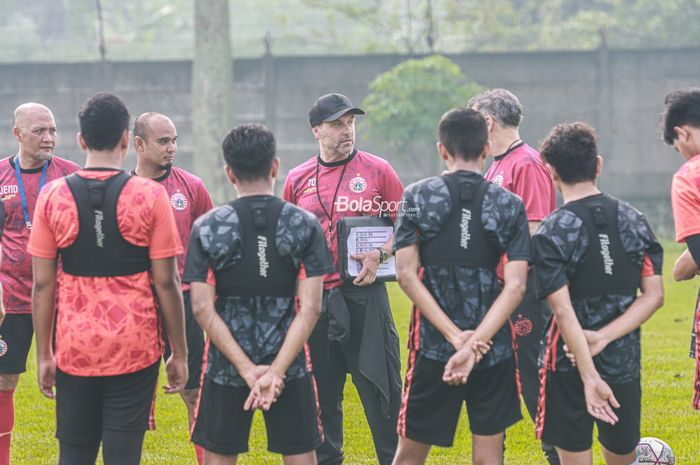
(654, 451)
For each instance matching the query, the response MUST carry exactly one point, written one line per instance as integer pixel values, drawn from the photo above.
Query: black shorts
(292, 423)
(195, 345)
(87, 405)
(568, 425)
(16, 334)
(430, 408)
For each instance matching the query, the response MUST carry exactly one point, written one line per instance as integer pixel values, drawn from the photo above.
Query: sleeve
(427, 209)
(317, 259)
(42, 242)
(533, 184)
(288, 192)
(407, 230)
(647, 267)
(504, 219)
(685, 200)
(203, 203)
(164, 240)
(197, 262)
(638, 239)
(693, 243)
(392, 189)
(518, 247)
(550, 263)
(654, 252)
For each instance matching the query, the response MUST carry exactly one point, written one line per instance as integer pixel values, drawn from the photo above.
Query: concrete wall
(619, 92)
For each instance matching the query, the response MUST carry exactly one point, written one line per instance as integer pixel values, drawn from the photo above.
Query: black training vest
(605, 269)
(261, 271)
(100, 249)
(463, 240)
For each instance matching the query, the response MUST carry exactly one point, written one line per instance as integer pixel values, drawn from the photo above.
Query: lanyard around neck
(22, 195)
(335, 195)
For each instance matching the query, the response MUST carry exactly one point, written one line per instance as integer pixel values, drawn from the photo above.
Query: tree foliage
(164, 29)
(406, 102)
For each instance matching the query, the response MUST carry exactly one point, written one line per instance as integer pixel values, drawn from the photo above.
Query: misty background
(607, 62)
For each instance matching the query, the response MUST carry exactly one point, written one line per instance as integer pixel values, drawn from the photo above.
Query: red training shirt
(369, 187)
(189, 200)
(685, 199)
(522, 172)
(107, 325)
(16, 265)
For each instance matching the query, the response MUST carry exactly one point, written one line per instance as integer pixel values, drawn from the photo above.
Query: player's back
(462, 225)
(255, 247)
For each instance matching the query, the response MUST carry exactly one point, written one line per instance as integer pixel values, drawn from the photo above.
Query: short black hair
(249, 150)
(103, 119)
(682, 108)
(571, 148)
(463, 132)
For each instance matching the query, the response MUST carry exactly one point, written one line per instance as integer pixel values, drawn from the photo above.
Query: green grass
(667, 376)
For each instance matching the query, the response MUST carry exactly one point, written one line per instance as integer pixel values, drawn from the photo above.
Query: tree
(212, 92)
(59, 30)
(406, 102)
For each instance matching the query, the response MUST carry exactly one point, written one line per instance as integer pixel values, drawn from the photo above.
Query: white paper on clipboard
(365, 239)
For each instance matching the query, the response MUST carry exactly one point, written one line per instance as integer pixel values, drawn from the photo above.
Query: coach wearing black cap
(356, 331)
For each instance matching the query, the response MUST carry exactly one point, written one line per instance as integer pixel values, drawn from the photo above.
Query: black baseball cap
(330, 107)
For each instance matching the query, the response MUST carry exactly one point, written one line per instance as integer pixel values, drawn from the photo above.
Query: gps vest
(605, 269)
(100, 249)
(463, 240)
(261, 270)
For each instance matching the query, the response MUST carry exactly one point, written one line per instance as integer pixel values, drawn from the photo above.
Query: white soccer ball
(654, 451)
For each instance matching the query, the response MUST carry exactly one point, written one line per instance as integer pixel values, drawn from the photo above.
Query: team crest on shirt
(358, 184)
(3, 347)
(498, 180)
(522, 326)
(178, 201)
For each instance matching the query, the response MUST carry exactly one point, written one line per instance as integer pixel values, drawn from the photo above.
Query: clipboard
(358, 234)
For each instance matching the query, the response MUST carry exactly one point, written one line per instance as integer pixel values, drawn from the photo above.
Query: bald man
(22, 176)
(155, 141)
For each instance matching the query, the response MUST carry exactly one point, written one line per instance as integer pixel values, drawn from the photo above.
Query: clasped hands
(469, 352)
(596, 344)
(265, 387)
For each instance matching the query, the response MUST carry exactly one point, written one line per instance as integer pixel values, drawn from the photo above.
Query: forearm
(508, 300)
(203, 297)
(685, 267)
(388, 246)
(408, 263)
(574, 337)
(221, 336)
(44, 305)
(515, 284)
(310, 295)
(644, 306)
(172, 310)
(414, 288)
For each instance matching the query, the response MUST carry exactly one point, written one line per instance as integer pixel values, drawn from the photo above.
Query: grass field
(667, 376)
